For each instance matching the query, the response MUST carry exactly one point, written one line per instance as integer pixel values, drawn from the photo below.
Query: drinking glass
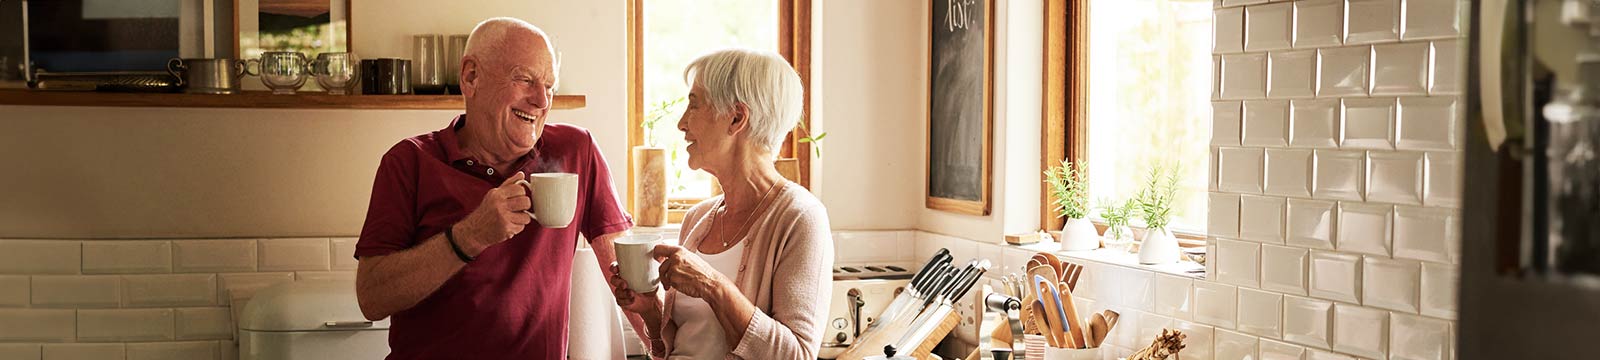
(427, 67)
(335, 72)
(283, 71)
(452, 63)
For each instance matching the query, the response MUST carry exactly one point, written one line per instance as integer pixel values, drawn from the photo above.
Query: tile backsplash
(145, 299)
(1334, 206)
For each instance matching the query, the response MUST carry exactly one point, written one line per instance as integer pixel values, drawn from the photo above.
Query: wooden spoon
(1042, 322)
(1076, 332)
(1098, 328)
(1111, 319)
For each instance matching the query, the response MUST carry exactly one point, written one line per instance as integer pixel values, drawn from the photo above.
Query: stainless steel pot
(208, 76)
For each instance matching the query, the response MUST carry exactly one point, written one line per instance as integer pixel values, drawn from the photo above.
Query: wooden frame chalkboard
(960, 105)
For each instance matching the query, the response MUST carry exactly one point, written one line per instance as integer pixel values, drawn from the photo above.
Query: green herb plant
(1069, 183)
(1154, 201)
(659, 111)
(1117, 216)
(815, 140)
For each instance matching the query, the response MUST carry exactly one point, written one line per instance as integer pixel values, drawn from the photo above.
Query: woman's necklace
(722, 208)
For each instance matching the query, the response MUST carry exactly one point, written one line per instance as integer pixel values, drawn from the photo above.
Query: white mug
(555, 198)
(637, 263)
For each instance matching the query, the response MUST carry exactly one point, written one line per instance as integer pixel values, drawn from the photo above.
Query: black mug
(386, 76)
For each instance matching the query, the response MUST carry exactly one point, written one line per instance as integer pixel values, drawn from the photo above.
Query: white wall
(871, 102)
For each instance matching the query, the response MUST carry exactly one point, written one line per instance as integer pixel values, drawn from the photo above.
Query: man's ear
(469, 75)
(741, 118)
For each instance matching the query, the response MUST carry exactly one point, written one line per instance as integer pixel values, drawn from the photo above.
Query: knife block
(924, 351)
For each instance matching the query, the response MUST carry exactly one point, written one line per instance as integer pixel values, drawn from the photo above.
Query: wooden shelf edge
(253, 100)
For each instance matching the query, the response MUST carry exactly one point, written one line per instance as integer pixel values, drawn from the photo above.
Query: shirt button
(469, 162)
(490, 171)
(741, 267)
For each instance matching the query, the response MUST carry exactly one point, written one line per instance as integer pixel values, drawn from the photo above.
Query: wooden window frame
(1065, 131)
(794, 44)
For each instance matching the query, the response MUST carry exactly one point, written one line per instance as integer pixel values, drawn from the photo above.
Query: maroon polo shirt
(512, 301)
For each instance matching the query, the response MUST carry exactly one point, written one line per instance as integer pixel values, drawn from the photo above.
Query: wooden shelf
(252, 99)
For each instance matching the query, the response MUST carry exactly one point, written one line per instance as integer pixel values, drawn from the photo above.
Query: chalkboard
(959, 100)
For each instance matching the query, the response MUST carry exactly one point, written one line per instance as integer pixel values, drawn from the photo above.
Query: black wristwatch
(449, 235)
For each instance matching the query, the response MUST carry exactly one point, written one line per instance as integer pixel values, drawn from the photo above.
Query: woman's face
(710, 135)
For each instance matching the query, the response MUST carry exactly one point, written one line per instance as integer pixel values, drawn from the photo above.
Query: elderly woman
(751, 279)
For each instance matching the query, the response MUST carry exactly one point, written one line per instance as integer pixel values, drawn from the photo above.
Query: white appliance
(313, 319)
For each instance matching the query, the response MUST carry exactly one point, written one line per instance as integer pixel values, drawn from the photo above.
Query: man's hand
(502, 214)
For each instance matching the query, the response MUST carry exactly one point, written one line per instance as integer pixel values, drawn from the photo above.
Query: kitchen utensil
(335, 72)
(1111, 319)
(904, 310)
(1098, 328)
(1071, 274)
(1052, 306)
(386, 76)
(427, 67)
(208, 76)
(283, 71)
(1041, 321)
(929, 328)
(1069, 309)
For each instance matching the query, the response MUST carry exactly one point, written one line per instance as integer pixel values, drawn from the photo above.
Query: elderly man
(448, 248)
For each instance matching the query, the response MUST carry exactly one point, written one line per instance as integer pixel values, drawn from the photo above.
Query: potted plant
(1118, 234)
(1069, 183)
(790, 167)
(650, 169)
(1155, 207)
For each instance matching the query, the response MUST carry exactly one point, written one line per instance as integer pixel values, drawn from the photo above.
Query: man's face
(511, 94)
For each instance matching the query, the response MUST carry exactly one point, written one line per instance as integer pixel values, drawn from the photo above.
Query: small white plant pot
(1079, 235)
(1158, 248)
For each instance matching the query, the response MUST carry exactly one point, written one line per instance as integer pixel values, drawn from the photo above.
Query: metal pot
(208, 76)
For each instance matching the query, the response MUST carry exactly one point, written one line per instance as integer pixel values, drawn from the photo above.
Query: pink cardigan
(785, 270)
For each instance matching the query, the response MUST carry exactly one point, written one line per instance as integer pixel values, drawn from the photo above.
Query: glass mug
(336, 72)
(283, 71)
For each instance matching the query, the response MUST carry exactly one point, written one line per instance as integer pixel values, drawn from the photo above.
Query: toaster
(860, 293)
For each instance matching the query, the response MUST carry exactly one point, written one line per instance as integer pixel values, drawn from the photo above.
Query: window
(664, 36)
(1144, 98)
(675, 33)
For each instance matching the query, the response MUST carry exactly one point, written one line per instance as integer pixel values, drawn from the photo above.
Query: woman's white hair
(761, 80)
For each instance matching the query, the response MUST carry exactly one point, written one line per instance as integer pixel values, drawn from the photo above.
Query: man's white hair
(489, 36)
(761, 80)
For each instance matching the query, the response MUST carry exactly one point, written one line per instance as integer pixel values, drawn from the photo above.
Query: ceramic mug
(636, 262)
(555, 198)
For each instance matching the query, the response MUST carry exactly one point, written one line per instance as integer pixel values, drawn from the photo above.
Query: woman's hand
(648, 305)
(687, 273)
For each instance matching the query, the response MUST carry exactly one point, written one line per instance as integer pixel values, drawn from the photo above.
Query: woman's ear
(741, 118)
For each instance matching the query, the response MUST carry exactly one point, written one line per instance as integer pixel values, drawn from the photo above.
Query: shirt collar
(450, 140)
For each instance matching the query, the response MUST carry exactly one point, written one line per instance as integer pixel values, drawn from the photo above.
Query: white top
(694, 317)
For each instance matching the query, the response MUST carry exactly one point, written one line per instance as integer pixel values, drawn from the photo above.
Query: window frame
(1065, 123)
(794, 44)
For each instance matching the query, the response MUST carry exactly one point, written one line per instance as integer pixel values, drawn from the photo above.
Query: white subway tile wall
(1314, 123)
(1266, 123)
(1267, 27)
(84, 351)
(1334, 191)
(1290, 74)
